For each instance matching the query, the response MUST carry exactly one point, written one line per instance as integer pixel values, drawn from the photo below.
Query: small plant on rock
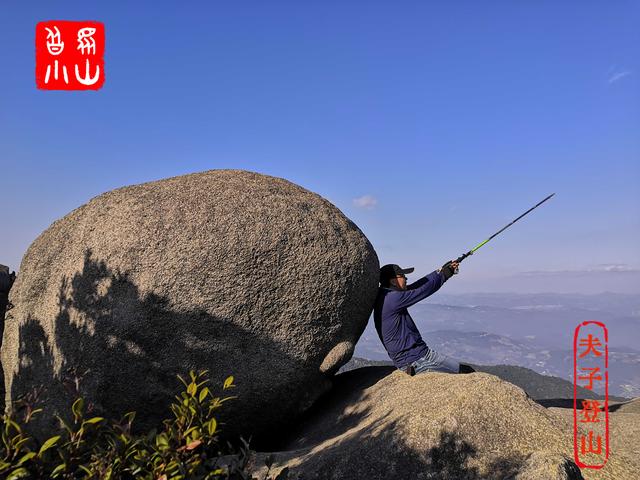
(90, 447)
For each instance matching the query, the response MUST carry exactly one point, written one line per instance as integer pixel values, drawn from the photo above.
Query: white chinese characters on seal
(87, 46)
(55, 46)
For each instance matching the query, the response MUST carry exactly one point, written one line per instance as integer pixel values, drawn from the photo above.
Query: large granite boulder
(379, 423)
(231, 271)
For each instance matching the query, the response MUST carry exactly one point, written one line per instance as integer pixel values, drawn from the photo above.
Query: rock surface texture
(624, 436)
(379, 423)
(239, 273)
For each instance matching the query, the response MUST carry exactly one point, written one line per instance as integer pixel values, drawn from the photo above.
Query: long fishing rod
(470, 252)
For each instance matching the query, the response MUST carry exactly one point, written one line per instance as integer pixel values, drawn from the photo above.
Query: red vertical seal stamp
(591, 416)
(70, 55)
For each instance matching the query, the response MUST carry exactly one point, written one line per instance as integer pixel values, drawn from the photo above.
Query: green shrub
(186, 447)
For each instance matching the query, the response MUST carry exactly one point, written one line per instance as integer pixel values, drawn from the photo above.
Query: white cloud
(366, 201)
(618, 76)
(602, 268)
(615, 267)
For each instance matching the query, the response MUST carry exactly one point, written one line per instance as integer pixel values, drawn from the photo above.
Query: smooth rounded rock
(231, 271)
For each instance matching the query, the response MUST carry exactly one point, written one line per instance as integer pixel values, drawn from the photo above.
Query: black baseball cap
(392, 271)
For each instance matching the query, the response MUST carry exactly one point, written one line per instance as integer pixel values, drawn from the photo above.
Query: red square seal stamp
(69, 55)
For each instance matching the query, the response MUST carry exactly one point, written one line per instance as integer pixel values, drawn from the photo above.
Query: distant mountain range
(533, 331)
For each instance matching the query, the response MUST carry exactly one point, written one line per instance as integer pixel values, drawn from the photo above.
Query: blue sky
(430, 124)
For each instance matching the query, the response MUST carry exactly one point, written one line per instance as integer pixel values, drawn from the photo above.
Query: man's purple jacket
(394, 325)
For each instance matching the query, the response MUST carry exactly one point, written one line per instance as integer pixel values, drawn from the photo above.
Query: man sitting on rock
(395, 327)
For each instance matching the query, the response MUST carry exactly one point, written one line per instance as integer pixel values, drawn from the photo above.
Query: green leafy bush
(90, 447)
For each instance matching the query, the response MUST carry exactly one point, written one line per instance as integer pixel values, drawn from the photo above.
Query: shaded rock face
(5, 286)
(231, 271)
(379, 423)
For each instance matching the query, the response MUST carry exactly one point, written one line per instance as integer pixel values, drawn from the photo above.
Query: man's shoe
(410, 370)
(466, 368)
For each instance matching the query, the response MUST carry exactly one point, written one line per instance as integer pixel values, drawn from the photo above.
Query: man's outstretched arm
(427, 285)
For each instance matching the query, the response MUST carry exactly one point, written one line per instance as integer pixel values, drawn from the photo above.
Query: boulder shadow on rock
(105, 351)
